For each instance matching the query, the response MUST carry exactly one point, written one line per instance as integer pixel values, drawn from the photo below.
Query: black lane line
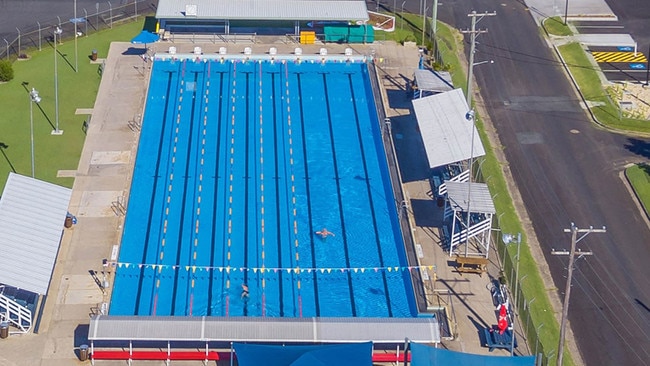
(307, 191)
(337, 178)
(368, 189)
(278, 216)
(213, 240)
(165, 120)
(246, 178)
(185, 192)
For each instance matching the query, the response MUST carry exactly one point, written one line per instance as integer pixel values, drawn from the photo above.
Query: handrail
(15, 313)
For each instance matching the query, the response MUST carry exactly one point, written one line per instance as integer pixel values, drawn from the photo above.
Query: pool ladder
(135, 124)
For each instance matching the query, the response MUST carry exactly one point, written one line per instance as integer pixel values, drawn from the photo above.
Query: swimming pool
(239, 164)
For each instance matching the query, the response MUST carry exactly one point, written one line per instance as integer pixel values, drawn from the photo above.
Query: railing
(462, 177)
(11, 311)
(474, 230)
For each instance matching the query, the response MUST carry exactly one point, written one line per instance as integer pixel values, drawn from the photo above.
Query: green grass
(639, 177)
(76, 90)
(607, 113)
(555, 26)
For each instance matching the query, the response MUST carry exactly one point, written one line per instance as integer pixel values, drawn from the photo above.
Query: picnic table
(471, 265)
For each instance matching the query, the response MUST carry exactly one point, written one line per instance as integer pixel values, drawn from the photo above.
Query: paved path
(103, 178)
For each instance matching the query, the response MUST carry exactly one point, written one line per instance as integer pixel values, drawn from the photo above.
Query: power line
(574, 230)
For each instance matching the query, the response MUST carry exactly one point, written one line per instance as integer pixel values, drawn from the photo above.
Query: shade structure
(145, 37)
(354, 354)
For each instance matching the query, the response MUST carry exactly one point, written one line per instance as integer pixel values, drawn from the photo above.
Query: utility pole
(473, 33)
(567, 292)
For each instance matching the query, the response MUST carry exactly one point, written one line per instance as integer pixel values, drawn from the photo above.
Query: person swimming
(324, 233)
(244, 291)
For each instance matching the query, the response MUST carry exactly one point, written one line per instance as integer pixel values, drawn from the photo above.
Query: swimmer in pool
(324, 233)
(244, 291)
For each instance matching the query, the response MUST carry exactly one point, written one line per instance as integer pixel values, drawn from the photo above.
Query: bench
(471, 265)
(495, 340)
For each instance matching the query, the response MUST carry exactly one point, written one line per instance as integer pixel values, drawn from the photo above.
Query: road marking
(619, 57)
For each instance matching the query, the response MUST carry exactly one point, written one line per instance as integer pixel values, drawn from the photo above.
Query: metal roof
(480, 199)
(249, 329)
(32, 213)
(342, 10)
(445, 129)
(433, 81)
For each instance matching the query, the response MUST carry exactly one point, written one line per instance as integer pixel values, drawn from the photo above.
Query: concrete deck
(103, 178)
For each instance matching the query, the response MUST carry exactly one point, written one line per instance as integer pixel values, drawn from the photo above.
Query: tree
(6, 71)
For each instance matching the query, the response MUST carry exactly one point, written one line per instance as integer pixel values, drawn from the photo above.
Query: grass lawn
(555, 26)
(639, 177)
(76, 90)
(586, 76)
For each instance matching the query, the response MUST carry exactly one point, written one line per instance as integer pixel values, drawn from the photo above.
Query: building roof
(267, 329)
(32, 214)
(446, 132)
(433, 81)
(330, 10)
(479, 196)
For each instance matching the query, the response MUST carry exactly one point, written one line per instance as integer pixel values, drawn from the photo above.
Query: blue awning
(145, 37)
(423, 355)
(353, 354)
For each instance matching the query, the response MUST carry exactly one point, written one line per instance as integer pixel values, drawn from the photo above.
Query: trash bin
(83, 352)
(68, 222)
(93, 55)
(4, 330)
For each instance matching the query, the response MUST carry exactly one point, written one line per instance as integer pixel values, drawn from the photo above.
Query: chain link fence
(104, 15)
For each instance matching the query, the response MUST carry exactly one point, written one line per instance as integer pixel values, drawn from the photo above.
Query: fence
(41, 34)
(519, 302)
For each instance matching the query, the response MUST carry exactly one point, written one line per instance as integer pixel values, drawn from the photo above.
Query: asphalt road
(567, 171)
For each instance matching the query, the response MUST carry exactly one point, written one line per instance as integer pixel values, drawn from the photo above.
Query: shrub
(6, 71)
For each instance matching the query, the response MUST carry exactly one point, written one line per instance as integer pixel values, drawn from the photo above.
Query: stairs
(17, 307)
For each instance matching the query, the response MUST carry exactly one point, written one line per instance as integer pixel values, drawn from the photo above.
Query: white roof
(343, 10)
(433, 81)
(445, 129)
(32, 214)
(266, 329)
(479, 196)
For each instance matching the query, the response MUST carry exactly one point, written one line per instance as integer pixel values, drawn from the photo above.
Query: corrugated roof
(433, 81)
(248, 329)
(341, 10)
(480, 199)
(32, 213)
(446, 132)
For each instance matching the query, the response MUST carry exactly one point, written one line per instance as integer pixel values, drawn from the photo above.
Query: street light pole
(33, 97)
(507, 239)
(56, 131)
(7, 48)
(401, 24)
(76, 62)
(566, 10)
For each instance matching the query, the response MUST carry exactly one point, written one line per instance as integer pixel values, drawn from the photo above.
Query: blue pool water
(238, 165)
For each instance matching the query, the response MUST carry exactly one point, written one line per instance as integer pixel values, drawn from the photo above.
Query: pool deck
(103, 178)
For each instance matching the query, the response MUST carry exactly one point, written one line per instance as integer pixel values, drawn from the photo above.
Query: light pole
(507, 239)
(39, 35)
(401, 24)
(7, 48)
(56, 131)
(18, 42)
(566, 11)
(33, 98)
(76, 62)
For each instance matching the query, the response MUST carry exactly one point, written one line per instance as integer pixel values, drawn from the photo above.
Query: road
(567, 171)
